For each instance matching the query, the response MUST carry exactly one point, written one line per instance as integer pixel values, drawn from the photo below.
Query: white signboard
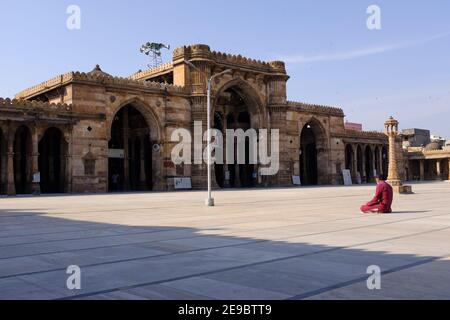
(296, 180)
(116, 154)
(347, 177)
(182, 183)
(37, 177)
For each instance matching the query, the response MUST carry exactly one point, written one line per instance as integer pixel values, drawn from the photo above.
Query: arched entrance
(369, 164)
(313, 154)
(349, 158)
(234, 109)
(130, 152)
(52, 161)
(22, 160)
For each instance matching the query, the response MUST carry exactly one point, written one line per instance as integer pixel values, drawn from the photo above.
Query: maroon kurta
(382, 200)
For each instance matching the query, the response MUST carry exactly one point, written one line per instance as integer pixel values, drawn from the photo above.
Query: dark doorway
(308, 156)
(52, 156)
(130, 152)
(22, 160)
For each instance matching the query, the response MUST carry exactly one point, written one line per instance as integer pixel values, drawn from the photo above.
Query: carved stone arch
(314, 153)
(319, 131)
(42, 129)
(150, 116)
(142, 166)
(251, 97)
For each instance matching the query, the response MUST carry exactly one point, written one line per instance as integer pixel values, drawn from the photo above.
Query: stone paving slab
(300, 243)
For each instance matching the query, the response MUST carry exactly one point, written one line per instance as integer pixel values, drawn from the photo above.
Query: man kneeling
(382, 201)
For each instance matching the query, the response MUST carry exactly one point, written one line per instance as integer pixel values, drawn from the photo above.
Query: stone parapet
(97, 79)
(152, 72)
(314, 108)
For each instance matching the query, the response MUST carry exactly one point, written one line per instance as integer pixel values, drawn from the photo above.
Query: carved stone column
(237, 166)
(68, 167)
(142, 173)
(374, 159)
(126, 160)
(35, 186)
(438, 170)
(363, 166)
(355, 164)
(226, 182)
(448, 178)
(380, 160)
(391, 130)
(422, 170)
(10, 186)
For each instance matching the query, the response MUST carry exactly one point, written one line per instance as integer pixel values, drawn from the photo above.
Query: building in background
(353, 126)
(93, 132)
(415, 137)
(427, 157)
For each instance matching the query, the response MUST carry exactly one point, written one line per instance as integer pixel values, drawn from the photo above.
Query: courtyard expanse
(302, 243)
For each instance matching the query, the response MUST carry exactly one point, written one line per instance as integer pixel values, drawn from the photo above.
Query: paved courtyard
(307, 243)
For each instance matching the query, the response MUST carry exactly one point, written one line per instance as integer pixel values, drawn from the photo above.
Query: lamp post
(210, 200)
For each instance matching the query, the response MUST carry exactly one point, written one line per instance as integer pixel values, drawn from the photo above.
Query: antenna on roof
(153, 50)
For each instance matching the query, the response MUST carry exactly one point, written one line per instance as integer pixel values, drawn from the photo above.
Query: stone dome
(433, 146)
(98, 72)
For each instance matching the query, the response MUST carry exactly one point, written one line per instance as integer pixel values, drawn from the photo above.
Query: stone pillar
(355, 164)
(237, 166)
(380, 160)
(142, 173)
(438, 170)
(448, 178)
(363, 165)
(35, 186)
(10, 186)
(226, 183)
(422, 170)
(68, 173)
(374, 161)
(126, 147)
(391, 130)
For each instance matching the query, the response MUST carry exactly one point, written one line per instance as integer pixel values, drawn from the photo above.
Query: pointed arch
(314, 154)
(150, 116)
(252, 99)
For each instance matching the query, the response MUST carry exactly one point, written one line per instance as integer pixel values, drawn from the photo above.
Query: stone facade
(92, 132)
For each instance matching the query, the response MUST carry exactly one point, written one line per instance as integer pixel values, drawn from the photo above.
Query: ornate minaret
(391, 130)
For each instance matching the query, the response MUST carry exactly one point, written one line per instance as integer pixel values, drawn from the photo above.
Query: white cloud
(359, 53)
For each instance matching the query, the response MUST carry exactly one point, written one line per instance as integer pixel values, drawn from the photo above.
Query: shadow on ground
(154, 262)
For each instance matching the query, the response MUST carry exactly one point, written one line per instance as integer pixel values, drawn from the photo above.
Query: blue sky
(401, 70)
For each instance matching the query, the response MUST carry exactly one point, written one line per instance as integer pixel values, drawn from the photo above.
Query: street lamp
(210, 201)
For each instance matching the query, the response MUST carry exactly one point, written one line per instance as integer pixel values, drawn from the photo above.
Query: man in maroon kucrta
(382, 201)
